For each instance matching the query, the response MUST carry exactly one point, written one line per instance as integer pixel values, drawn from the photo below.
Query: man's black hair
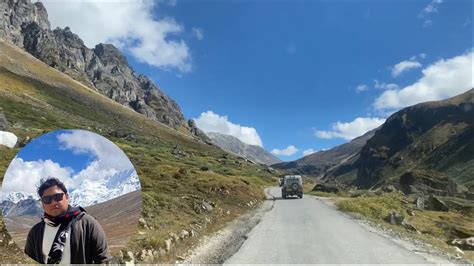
(46, 183)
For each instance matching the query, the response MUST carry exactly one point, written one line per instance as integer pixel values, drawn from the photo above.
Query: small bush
(372, 207)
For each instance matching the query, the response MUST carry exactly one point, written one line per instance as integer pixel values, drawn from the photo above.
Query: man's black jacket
(88, 241)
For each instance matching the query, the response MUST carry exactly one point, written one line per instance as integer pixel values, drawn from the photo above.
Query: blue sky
(282, 73)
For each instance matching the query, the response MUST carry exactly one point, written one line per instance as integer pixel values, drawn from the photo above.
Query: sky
(294, 77)
(73, 156)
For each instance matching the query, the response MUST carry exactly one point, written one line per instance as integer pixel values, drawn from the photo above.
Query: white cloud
(441, 80)
(308, 152)
(290, 150)
(130, 24)
(25, 176)
(350, 130)
(385, 86)
(431, 8)
(404, 66)
(108, 158)
(198, 33)
(211, 122)
(362, 87)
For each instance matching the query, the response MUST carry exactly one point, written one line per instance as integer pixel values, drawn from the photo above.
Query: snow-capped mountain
(29, 207)
(20, 203)
(93, 192)
(16, 197)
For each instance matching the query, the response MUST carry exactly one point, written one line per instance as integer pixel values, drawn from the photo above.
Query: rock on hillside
(234, 145)
(103, 67)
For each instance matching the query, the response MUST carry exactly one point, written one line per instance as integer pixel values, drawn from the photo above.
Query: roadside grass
(36, 99)
(436, 228)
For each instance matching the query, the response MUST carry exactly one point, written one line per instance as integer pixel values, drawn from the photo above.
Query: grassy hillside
(172, 165)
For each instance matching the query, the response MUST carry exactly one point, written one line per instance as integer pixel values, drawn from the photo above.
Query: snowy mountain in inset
(16, 197)
(93, 192)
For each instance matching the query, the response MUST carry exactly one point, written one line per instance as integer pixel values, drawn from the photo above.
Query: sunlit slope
(176, 170)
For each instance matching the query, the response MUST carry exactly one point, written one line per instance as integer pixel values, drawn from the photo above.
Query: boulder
(424, 182)
(168, 243)
(8, 139)
(184, 234)
(420, 203)
(435, 204)
(465, 243)
(395, 218)
(389, 189)
(326, 188)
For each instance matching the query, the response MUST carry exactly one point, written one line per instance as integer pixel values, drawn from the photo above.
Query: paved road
(309, 231)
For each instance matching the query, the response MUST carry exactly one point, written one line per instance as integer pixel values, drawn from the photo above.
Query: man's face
(55, 208)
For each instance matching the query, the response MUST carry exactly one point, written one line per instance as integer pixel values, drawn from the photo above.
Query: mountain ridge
(103, 68)
(234, 145)
(316, 164)
(428, 139)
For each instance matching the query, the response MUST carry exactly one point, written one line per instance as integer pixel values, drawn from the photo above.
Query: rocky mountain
(103, 67)
(234, 145)
(29, 207)
(428, 146)
(318, 163)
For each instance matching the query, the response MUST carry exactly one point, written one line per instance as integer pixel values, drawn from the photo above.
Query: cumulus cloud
(350, 130)
(308, 152)
(20, 173)
(198, 33)
(290, 150)
(440, 80)
(404, 66)
(130, 24)
(211, 122)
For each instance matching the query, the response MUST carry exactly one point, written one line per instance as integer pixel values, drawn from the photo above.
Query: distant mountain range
(318, 163)
(234, 145)
(89, 193)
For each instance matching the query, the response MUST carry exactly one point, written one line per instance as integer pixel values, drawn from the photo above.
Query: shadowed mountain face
(433, 136)
(316, 164)
(103, 68)
(234, 145)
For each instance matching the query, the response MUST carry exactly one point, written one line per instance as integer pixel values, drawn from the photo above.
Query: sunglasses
(56, 197)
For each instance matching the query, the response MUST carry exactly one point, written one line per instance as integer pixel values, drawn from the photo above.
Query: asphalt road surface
(309, 231)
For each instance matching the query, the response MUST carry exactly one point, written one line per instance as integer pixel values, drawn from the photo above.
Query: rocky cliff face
(234, 145)
(103, 68)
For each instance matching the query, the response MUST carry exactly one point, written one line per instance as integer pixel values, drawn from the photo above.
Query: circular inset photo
(71, 196)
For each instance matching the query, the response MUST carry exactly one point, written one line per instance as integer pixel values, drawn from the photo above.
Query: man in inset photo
(66, 234)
